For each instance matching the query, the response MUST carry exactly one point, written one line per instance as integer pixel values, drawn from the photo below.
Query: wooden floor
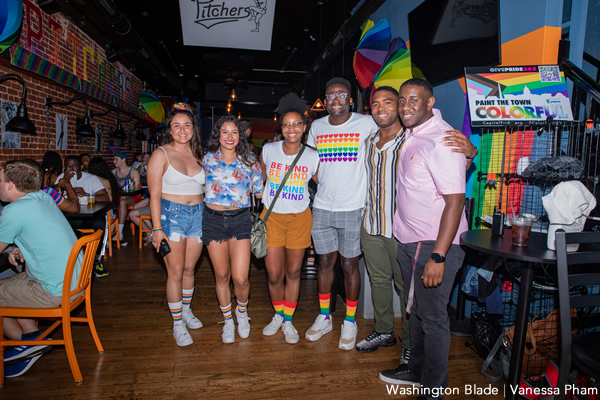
(142, 361)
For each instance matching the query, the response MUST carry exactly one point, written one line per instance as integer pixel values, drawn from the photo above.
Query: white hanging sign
(240, 24)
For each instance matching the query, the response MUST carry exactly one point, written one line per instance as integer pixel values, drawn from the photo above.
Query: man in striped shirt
(382, 153)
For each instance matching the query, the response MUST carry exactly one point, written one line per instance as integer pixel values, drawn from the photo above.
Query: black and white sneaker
(405, 358)
(399, 376)
(374, 341)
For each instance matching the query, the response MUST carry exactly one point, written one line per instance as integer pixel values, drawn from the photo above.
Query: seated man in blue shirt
(30, 219)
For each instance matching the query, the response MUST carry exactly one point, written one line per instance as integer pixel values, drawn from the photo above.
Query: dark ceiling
(146, 37)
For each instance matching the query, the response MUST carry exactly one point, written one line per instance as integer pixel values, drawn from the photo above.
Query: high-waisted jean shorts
(181, 220)
(220, 226)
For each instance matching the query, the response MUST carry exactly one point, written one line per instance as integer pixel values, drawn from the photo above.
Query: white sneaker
(228, 334)
(291, 334)
(321, 326)
(181, 335)
(348, 336)
(243, 323)
(190, 319)
(273, 326)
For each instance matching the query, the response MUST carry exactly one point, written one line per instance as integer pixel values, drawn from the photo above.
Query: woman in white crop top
(176, 185)
(290, 221)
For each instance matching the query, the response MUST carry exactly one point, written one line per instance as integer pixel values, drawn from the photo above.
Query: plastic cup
(521, 230)
(91, 199)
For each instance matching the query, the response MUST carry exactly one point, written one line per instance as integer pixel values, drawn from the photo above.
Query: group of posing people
(393, 182)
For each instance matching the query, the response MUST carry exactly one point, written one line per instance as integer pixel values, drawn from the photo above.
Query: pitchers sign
(519, 95)
(240, 24)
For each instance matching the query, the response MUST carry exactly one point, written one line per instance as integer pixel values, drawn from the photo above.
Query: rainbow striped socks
(324, 303)
(226, 312)
(288, 310)
(278, 307)
(175, 309)
(242, 307)
(187, 298)
(350, 310)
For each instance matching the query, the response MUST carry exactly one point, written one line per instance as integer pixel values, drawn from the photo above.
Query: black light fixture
(85, 129)
(20, 122)
(141, 136)
(118, 133)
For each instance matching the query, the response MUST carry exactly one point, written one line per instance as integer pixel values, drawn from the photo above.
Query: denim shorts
(181, 220)
(220, 226)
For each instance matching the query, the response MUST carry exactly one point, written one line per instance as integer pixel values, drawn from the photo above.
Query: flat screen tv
(448, 35)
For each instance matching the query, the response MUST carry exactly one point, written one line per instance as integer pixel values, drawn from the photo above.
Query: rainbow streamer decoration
(29, 61)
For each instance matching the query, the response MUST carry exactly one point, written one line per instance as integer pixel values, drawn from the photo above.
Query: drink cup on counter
(91, 199)
(521, 230)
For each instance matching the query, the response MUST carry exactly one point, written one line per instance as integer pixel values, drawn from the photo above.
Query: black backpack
(488, 339)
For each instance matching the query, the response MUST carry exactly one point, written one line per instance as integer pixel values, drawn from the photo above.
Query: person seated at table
(137, 160)
(124, 173)
(142, 208)
(100, 168)
(143, 169)
(84, 183)
(85, 161)
(52, 167)
(28, 221)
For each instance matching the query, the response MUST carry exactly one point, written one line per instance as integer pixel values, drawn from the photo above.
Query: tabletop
(537, 250)
(85, 211)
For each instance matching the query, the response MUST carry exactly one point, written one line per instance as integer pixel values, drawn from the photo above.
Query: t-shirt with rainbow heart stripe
(342, 172)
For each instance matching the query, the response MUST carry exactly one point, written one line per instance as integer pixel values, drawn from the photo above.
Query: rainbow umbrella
(155, 110)
(371, 51)
(397, 67)
(11, 17)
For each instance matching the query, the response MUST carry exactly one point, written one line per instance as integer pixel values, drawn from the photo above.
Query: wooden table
(88, 212)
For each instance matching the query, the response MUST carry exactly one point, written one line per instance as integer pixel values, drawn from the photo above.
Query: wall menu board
(517, 95)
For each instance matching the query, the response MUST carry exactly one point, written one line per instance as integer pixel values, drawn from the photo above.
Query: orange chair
(62, 313)
(142, 230)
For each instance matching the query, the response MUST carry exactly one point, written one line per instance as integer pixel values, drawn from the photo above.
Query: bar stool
(142, 230)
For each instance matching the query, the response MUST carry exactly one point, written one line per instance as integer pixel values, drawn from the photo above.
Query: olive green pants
(383, 269)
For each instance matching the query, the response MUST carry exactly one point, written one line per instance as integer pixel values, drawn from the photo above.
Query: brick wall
(46, 34)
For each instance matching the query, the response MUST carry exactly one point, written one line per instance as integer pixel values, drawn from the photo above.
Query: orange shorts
(291, 231)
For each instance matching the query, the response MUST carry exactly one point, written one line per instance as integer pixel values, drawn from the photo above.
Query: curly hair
(242, 149)
(196, 143)
(51, 165)
(292, 103)
(99, 167)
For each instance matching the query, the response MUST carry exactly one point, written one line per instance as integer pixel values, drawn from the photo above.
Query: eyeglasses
(296, 124)
(340, 96)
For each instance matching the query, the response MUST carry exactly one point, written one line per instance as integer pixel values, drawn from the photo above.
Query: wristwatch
(437, 258)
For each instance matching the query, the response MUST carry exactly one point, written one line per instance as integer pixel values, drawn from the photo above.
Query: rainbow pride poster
(519, 95)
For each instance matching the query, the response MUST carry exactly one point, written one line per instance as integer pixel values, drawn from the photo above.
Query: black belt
(226, 213)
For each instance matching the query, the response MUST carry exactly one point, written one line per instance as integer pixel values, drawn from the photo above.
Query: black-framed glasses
(332, 96)
(297, 124)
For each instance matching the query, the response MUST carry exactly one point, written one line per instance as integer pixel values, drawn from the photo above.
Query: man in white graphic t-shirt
(337, 209)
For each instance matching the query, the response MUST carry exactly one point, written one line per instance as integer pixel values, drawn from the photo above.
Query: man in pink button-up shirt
(429, 218)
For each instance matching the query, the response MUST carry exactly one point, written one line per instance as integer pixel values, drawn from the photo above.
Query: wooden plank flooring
(142, 361)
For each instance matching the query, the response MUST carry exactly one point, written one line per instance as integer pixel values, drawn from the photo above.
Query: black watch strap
(438, 258)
